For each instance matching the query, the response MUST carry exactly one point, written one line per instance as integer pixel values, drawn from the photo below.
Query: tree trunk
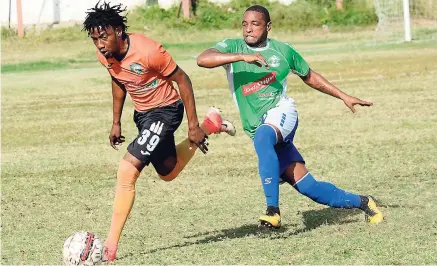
(186, 7)
(339, 4)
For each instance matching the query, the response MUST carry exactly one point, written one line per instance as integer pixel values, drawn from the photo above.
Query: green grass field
(58, 170)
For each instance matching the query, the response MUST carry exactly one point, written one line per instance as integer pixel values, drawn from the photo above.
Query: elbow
(206, 61)
(201, 61)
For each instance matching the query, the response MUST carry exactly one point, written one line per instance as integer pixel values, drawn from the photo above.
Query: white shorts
(283, 117)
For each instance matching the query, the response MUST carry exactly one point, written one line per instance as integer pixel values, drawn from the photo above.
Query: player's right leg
(279, 126)
(127, 175)
(265, 139)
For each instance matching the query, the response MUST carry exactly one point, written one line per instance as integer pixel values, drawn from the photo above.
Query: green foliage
(299, 15)
(423, 8)
(354, 14)
(47, 35)
(8, 32)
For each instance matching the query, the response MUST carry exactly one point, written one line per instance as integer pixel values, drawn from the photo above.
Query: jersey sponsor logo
(269, 94)
(137, 68)
(274, 61)
(259, 84)
(151, 85)
(143, 88)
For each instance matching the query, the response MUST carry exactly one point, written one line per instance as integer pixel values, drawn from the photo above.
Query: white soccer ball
(83, 248)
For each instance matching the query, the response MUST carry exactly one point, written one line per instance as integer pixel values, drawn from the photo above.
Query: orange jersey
(144, 72)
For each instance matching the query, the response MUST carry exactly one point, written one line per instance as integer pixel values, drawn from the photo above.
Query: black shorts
(155, 142)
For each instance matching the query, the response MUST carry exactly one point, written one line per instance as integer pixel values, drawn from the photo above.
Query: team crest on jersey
(273, 61)
(137, 68)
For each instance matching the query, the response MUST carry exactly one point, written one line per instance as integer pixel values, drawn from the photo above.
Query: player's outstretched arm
(318, 82)
(118, 98)
(195, 133)
(214, 58)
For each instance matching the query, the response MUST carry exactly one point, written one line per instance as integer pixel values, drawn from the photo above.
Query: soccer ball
(83, 248)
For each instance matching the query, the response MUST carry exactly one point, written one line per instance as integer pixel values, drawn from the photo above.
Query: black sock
(364, 202)
(272, 210)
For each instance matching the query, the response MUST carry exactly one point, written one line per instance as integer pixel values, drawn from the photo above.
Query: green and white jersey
(257, 89)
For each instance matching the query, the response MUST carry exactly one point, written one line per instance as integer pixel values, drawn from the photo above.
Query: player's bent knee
(167, 170)
(169, 177)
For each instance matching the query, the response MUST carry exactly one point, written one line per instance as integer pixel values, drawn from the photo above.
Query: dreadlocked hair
(105, 15)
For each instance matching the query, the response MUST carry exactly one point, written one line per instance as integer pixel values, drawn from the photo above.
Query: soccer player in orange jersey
(141, 67)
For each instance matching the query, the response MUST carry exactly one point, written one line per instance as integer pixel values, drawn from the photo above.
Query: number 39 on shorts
(152, 141)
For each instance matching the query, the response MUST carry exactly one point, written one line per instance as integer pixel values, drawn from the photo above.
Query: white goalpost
(407, 24)
(406, 20)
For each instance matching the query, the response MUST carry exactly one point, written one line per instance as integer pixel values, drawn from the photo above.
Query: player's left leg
(169, 166)
(328, 194)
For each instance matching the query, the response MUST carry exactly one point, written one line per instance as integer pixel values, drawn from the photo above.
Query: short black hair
(261, 10)
(104, 15)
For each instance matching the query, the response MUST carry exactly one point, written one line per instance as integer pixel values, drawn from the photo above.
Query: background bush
(299, 15)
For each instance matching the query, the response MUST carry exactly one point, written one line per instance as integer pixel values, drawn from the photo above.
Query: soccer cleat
(215, 123)
(272, 218)
(372, 214)
(109, 254)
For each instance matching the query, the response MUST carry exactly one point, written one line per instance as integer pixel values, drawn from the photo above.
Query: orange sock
(184, 155)
(127, 176)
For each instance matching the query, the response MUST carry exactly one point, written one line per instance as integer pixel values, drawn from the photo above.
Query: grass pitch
(58, 170)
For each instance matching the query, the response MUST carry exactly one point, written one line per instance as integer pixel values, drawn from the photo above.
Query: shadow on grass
(311, 219)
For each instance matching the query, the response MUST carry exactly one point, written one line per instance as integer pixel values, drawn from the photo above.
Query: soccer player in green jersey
(257, 68)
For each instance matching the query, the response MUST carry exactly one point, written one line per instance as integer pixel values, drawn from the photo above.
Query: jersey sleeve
(298, 65)
(224, 46)
(161, 61)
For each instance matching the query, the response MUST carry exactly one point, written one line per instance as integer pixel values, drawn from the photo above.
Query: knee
(167, 169)
(306, 185)
(265, 135)
(127, 175)
(168, 178)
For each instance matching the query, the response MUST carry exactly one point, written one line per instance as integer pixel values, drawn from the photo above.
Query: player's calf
(328, 194)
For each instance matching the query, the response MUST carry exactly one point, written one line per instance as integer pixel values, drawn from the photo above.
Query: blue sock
(326, 193)
(268, 163)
